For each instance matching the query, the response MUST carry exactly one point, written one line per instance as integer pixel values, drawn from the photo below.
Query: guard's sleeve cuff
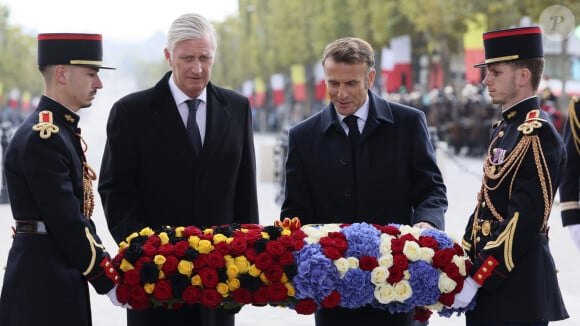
(485, 270)
(570, 214)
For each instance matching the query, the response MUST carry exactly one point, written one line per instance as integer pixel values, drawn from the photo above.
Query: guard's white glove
(112, 294)
(464, 297)
(575, 234)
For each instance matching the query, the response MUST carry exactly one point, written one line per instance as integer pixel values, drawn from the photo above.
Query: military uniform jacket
(46, 274)
(506, 236)
(570, 185)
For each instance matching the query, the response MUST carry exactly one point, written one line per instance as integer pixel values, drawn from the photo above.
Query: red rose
(326, 241)
(275, 248)
(118, 259)
(170, 265)
(332, 300)
(215, 260)
(306, 307)
(264, 260)
(332, 253)
(452, 271)
(298, 245)
(298, 234)
(261, 295)
(166, 249)
(250, 254)
(397, 246)
(191, 294)
(400, 262)
(153, 240)
(429, 242)
(253, 235)
(200, 261)
(191, 230)
(162, 290)
(447, 299)
(341, 244)
(210, 298)
(408, 237)
(149, 250)
(123, 293)
(286, 258)
(176, 306)
(390, 230)
(139, 263)
(442, 257)
(242, 296)
(132, 277)
(274, 272)
(422, 314)
(209, 277)
(139, 299)
(222, 248)
(238, 246)
(458, 249)
(277, 292)
(286, 240)
(207, 236)
(181, 248)
(368, 263)
(395, 275)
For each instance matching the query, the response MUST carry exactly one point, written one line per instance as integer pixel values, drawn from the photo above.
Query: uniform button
(343, 162)
(347, 194)
(482, 204)
(484, 269)
(501, 133)
(479, 277)
(490, 263)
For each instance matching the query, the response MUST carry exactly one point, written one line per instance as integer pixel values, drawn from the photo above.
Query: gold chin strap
(89, 175)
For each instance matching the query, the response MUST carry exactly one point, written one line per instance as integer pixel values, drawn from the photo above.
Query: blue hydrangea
(363, 240)
(442, 238)
(356, 289)
(317, 276)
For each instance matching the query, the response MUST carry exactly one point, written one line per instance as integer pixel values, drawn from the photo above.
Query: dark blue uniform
(507, 235)
(570, 185)
(56, 249)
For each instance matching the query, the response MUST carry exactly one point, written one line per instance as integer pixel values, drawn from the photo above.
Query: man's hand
(423, 225)
(463, 298)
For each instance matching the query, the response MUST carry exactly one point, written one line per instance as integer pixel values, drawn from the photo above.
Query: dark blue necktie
(192, 128)
(353, 132)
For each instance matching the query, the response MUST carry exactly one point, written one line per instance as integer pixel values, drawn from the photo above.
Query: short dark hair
(350, 50)
(535, 66)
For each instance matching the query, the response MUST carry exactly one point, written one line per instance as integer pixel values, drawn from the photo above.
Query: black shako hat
(512, 44)
(71, 49)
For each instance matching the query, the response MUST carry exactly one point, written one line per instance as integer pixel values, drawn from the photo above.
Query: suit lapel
(217, 124)
(379, 113)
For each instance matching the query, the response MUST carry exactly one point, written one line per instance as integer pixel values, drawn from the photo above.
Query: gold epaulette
(574, 123)
(533, 121)
(45, 127)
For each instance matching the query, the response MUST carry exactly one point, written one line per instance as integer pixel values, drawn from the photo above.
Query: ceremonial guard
(55, 251)
(570, 185)
(513, 273)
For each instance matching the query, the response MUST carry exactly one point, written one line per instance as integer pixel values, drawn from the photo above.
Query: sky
(116, 19)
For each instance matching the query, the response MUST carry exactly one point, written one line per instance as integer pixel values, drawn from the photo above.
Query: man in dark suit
(570, 184)
(56, 251)
(513, 271)
(169, 163)
(380, 169)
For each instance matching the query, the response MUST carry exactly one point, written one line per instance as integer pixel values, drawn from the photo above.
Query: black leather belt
(30, 227)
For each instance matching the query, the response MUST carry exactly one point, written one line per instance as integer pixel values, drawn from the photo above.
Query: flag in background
(259, 92)
(277, 84)
(320, 93)
(396, 64)
(248, 91)
(473, 45)
(298, 75)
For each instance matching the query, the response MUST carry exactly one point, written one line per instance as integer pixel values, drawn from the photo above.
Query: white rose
(427, 254)
(416, 232)
(446, 284)
(385, 293)
(437, 306)
(385, 244)
(411, 250)
(406, 274)
(379, 275)
(403, 291)
(342, 265)
(386, 260)
(352, 262)
(460, 262)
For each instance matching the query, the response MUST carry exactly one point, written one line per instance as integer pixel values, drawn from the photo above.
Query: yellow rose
(233, 284)
(242, 263)
(161, 275)
(264, 278)
(149, 287)
(146, 231)
(265, 235)
(254, 271)
(217, 238)
(208, 231)
(229, 259)
(411, 250)
(185, 267)
(229, 240)
(164, 238)
(222, 289)
(122, 245)
(159, 260)
(205, 247)
(193, 241)
(290, 288)
(284, 278)
(379, 275)
(286, 232)
(131, 237)
(232, 271)
(446, 284)
(179, 231)
(403, 291)
(196, 280)
(126, 265)
(385, 293)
